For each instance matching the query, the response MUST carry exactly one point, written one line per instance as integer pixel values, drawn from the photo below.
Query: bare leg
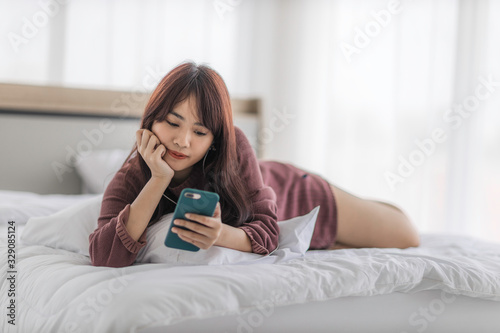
(339, 246)
(371, 223)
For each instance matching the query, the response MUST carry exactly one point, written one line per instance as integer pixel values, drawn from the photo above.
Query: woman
(187, 139)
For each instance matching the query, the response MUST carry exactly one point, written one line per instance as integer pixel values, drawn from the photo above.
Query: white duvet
(59, 291)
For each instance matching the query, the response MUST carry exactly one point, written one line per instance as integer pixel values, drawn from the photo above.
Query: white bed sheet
(60, 291)
(429, 311)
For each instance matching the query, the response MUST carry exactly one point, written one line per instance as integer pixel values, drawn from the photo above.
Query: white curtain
(390, 100)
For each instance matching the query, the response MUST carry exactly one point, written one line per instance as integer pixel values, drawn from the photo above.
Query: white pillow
(19, 206)
(98, 168)
(155, 250)
(294, 240)
(69, 229)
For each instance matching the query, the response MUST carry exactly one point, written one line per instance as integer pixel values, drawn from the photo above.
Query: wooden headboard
(43, 127)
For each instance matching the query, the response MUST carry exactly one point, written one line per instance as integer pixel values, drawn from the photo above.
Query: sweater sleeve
(263, 231)
(110, 244)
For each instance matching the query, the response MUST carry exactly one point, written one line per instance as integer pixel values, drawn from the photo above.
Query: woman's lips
(174, 155)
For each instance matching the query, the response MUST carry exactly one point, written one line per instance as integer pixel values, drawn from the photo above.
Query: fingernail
(187, 215)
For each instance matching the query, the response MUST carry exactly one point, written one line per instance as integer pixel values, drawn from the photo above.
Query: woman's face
(182, 132)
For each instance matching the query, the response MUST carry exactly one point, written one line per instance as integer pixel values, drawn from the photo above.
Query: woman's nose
(182, 140)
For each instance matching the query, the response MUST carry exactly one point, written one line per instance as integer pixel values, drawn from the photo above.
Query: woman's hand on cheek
(204, 233)
(152, 152)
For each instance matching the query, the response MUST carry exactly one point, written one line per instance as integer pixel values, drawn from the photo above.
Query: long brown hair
(214, 111)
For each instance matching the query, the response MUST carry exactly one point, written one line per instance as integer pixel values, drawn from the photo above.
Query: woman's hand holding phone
(152, 151)
(205, 233)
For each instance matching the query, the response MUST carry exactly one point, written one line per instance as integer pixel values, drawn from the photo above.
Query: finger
(205, 220)
(193, 226)
(138, 136)
(144, 140)
(217, 210)
(160, 150)
(191, 235)
(153, 141)
(199, 244)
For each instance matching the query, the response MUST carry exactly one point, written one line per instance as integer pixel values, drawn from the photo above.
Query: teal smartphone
(195, 201)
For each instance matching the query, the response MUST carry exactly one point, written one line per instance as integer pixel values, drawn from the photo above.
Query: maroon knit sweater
(280, 191)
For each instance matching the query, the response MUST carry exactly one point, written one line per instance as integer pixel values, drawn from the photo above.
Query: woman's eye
(175, 125)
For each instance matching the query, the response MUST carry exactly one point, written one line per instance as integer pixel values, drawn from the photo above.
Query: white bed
(448, 284)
